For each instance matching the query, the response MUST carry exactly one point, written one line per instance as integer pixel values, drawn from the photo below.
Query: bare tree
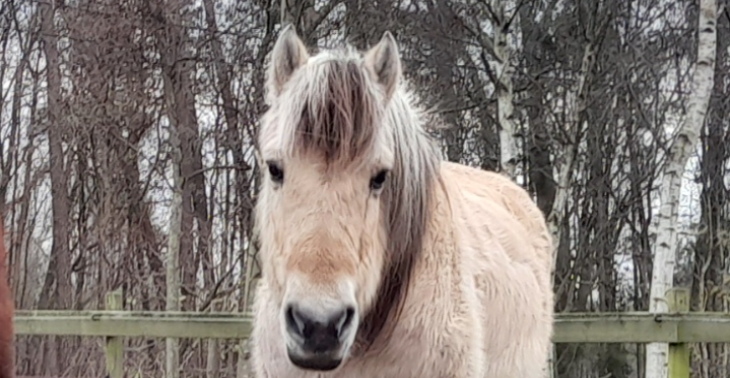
(683, 144)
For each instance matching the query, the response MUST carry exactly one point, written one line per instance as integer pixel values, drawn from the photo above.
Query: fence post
(679, 353)
(114, 345)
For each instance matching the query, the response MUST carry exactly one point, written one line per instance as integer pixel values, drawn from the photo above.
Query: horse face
(326, 161)
(327, 254)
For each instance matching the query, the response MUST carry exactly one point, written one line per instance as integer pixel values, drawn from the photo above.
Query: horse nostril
(345, 320)
(296, 322)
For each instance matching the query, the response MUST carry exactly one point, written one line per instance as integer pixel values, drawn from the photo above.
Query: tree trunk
(172, 357)
(679, 152)
(503, 50)
(557, 217)
(57, 286)
(712, 250)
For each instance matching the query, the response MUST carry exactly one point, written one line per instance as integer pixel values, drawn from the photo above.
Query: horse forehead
(329, 176)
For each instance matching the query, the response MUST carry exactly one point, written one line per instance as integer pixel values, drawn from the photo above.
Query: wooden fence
(677, 328)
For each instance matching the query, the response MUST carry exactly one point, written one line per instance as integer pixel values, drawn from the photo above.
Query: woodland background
(577, 100)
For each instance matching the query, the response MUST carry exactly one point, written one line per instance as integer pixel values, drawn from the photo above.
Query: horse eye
(376, 183)
(277, 174)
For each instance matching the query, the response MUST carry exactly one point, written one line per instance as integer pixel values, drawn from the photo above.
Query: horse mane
(7, 308)
(407, 202)
(339, 109)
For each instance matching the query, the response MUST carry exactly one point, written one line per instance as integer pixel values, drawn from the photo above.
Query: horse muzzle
(318, 338)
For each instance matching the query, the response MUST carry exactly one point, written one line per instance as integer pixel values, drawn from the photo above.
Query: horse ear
(289, 53)
(383, 60)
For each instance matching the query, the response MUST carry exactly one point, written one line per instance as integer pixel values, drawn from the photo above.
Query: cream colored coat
(480, 305)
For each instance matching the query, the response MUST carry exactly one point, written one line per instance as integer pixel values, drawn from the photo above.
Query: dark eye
(376, 183)
(277, 174)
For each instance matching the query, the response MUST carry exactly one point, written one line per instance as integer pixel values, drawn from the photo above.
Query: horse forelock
(334, 109)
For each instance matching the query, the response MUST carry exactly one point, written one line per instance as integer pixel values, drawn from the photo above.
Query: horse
(378, 257)
(7, 309)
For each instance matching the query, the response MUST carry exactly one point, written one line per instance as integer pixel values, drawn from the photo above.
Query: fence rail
(625, 327)
(677, 328)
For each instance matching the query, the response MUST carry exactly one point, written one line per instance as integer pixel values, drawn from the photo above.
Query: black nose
(318, 333)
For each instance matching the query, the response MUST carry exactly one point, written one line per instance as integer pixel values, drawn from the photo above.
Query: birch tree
(679, 152)
(499, 68)
(568, 155)
(565, 169)
(503, 52)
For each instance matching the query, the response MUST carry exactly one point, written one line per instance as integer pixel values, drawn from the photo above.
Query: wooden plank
(121, 324)
(630, 327)
(114, 350)
(642, 328)
(135, 314)
(678, 358)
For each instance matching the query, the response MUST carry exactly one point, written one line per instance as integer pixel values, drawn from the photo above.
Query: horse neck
(439, 238)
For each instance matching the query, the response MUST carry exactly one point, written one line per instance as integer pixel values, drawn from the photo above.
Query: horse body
(7, 307)
(468, 248)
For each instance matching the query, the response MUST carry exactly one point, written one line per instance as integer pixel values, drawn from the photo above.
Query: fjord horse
(7, 308)
(379, 259)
